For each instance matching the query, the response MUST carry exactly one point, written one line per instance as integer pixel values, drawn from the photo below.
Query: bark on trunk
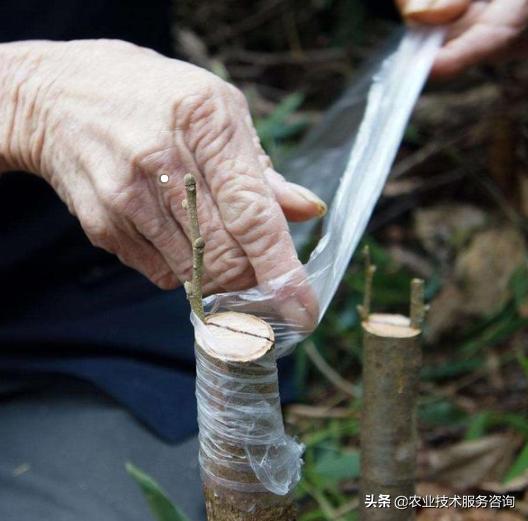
(391, 364)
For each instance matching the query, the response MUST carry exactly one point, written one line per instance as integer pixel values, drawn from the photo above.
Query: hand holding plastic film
(353, 147)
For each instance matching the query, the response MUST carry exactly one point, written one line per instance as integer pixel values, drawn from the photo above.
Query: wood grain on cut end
(385, 325)
(242, 337)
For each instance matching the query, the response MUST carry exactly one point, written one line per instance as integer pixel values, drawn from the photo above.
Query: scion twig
(193, 287)
(418, 308)
(370, 269)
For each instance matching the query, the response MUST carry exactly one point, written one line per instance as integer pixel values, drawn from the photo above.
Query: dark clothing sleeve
(69, 308)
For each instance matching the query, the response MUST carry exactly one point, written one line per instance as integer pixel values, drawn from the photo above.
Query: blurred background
(454, 212)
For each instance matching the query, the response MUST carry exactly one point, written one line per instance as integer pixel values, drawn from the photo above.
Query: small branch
(191, 206)
(194, 287)
(348, 507)
(418, 308)
(370, 269)
(325, 506)
(299, 410)
(326, 370)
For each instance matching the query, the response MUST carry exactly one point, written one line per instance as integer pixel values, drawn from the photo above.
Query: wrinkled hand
(481, 30)
(108, 122)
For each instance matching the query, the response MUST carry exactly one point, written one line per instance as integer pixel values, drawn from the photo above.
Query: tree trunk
(391, 365)
(240, 420)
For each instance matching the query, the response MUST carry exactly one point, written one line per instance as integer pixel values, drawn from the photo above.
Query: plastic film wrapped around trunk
(241, 410)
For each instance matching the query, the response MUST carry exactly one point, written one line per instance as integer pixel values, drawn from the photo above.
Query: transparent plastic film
(346, 158)
(243, 445)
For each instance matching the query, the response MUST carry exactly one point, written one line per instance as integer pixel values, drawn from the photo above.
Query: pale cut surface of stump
(241, 337)
(390, 326)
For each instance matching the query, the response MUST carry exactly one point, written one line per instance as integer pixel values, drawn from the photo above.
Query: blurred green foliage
(275, 130)
(160, 505)
(519, 467)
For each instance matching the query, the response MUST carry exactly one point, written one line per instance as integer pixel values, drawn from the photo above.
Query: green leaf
(515, 421)
(348, 427)
(300, 371)
(275, 127)
(313, 515)
(160, 505)
(337, 465)
(487, 420)
(441, 412)
(450, 369)
(519, 285)
(478, 425)
(500, 329)
(413, 136)
(519, 467)
(523, 362)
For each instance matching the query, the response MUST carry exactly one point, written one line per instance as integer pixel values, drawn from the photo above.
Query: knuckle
(209, 119)
(211, 129)
(99, 233)
(164, 279)
(117, 46)
(151, 228)
(191, 108)
(196, 107)
(244, 203)
(212, 140)
(232, 174)
(227, 263)
(237, 95)
(245, 210)
(185, 270)
(267, 244)
(237, 276)
(121, 199)
(158, 233)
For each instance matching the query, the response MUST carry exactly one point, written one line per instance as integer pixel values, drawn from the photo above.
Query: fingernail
(416, 6)
(310, 197)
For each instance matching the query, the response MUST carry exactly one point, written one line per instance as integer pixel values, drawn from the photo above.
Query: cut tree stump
(238, 410)
(388, 437)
